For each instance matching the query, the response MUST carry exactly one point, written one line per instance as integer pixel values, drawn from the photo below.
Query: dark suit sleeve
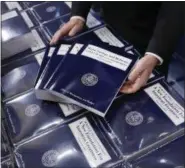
(167, 32)
(80, 8)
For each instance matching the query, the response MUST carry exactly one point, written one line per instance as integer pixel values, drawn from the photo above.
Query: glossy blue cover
(28, 116)
(169, 156)
(19, 76)
(40, 44)
(139, 122)
(50, 10)
(73, 83)
(51, 64)
(13, 27)
(44, 61)
(59, 147)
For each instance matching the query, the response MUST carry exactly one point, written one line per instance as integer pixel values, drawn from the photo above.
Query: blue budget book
(47, 55)
(39, 43)
(141, 119)
(78, 143)
(169, 156)
(20, 75)
(50, 10)
(90, 82)
(27, 117)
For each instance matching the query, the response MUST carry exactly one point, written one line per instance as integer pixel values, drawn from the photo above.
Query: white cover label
(166, 103)
(69, 4)
(51, 51)
(106, 36)
(107, 57)
(92, 21)
(9, 15)
(13, 5)
(69, 109)
(64, 48)
(90, 144)
(39, 57)
(76, 48)
(27, 19)
(38, 44)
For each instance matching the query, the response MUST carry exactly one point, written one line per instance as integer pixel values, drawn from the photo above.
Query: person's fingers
(136, 71)
(139, 82)
(75, 29)
(61, 32)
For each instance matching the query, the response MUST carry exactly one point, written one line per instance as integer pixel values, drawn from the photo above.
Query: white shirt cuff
(156, 56)
(78, 17)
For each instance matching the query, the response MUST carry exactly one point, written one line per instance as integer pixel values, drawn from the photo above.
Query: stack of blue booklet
(86, 73)
(27, 117)
(78, 143)
(142, 119)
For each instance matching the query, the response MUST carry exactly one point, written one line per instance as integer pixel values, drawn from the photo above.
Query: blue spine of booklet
(53, 62)
(48, 53)
(79, 142)
(93, 67)
(143, 118)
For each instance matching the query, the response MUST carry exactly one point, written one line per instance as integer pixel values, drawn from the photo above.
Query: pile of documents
(89, 75)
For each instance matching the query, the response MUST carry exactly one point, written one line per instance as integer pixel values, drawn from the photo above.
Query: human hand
(140, 74)
(73, 26)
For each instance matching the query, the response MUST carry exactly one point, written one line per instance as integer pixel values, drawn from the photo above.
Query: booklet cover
(82, 85)
(79, 143)
(50, 10)
(53, 61)
(39, 43)
(20, 75)
(145, 117)
(15, 33)
(27, 116)
(47, 54)
(168, 156)
(50, 66)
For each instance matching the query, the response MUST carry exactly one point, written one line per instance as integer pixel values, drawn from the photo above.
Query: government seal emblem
(32, 110)
(89, 79)
(134, 118)
(49, 158)
(51, 9)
